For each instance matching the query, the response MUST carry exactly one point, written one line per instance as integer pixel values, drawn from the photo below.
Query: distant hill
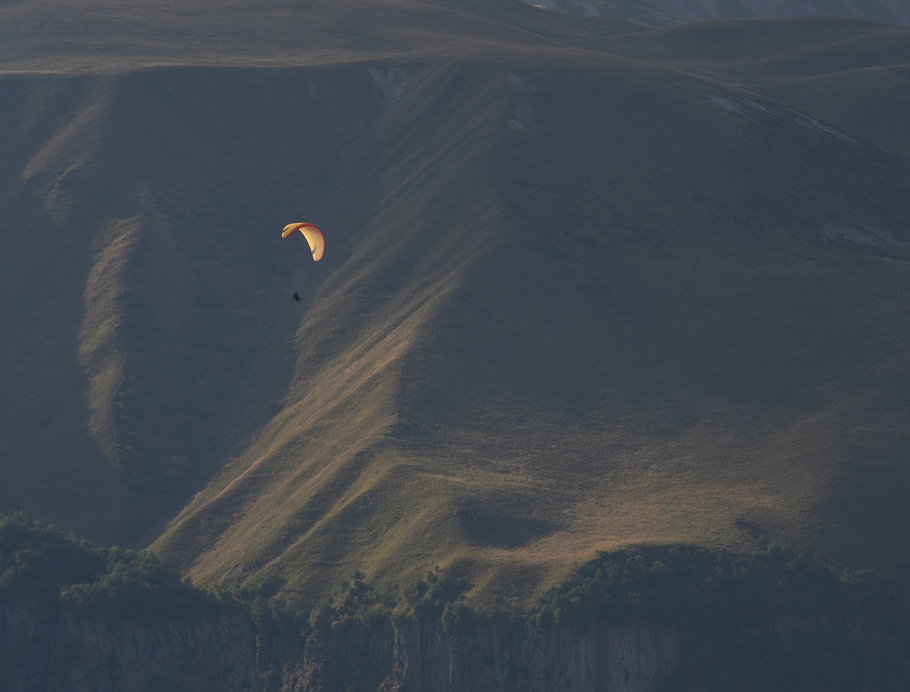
(586, 285)
(662, 13)
(883, 10)
(629, 10)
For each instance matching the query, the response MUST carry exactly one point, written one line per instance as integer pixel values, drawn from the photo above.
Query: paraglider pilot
(296, 297)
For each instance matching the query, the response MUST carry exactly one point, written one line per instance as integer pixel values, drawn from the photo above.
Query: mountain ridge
(663, 13)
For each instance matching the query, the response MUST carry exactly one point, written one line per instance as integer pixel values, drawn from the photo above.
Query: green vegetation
(39, 561)
(436, 597)
(683, 582)
(769, 621)
(355, 602)
(431, 598)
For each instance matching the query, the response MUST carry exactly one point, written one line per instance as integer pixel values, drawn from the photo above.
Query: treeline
(433, 598)
(40, 562)
(769, 621)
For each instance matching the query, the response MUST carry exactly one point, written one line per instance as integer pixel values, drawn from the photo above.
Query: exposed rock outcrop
(503, 656)
(46, 649)
(43, 649)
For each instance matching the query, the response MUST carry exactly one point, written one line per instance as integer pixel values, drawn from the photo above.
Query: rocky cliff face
(501, 656)
(45, 650)
(516, 656)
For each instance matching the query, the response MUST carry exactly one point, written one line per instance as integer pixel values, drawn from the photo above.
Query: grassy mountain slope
(138, 270)
(47, 35)
(850, 74)
(511, 449)
(586, 286)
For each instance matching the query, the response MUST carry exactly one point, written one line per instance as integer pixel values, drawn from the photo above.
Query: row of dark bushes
(768, 621)
(40, 562)
(678, 583)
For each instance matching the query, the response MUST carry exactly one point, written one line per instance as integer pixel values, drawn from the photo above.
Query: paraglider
(312, 234)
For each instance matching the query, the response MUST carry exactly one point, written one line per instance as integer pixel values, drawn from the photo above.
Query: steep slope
(135, 307)
(586, 285)
(311, 479)
(853, 75)
(684, 324)
(138, 276)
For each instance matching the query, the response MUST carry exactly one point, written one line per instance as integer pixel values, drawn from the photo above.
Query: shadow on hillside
(500, 530)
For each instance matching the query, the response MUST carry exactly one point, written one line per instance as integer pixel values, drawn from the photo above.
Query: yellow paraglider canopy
(312, 234)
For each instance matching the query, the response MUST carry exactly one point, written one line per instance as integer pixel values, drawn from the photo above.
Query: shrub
(39, 561)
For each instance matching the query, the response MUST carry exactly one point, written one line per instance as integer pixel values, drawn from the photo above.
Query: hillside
(586, 285)
(882, 10)
(667, 13)
(627, 10)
